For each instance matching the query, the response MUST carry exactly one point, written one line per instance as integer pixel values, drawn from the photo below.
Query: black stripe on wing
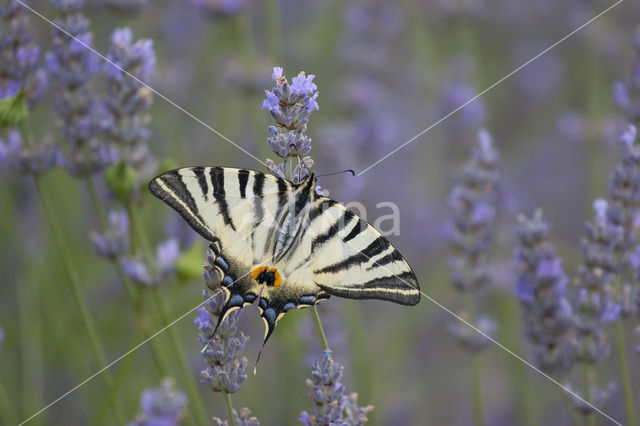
(402, 288)
(342, 222)
(243, 179)
(376, 247)
(170, 188)
(217, 179)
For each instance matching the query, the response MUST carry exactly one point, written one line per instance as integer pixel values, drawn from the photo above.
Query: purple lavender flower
(474, 203)
(114, 241)
(541, 287)
(20, 56)
(127, 123)
(593, 304)
(290, 106)
(624, 212)
(225, 368)
(242, 418)
(330, 404)
(151, 273)
(597, 397)
(18, 158)
(162, 406)
(626, 94)
(72, 65)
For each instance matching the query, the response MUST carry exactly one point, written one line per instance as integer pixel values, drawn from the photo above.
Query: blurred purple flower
(18, 158)
(474, 203)
(626, 94)
(592, 299)
(19, 67)
(151, 273)
(72, 66)
(162, 406)
(225, 368)
(127, 123)
(469, 338)
(623, 211)
(541, 287)
(598, 396)
(330, 404)
(114, 241)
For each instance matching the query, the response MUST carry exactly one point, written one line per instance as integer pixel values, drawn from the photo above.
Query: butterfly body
(282, 243)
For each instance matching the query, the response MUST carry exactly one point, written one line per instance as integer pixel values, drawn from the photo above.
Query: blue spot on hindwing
(250, 297)
(227, 281)
(236, 300)
(220, 262)
(263, 303)
(289, 305)
(307, 300)
(270, 315)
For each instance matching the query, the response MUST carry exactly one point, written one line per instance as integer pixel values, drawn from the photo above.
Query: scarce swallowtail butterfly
(282, 243)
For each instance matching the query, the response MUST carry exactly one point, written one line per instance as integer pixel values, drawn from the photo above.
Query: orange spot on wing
(278, 281)
(255, 272)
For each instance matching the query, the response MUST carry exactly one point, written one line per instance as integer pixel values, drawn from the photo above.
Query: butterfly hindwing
(350, 258)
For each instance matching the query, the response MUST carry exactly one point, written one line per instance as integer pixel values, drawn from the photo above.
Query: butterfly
(282, 243)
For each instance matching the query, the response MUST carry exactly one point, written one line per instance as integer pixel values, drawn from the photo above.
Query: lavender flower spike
(128, 102)
(161, 406)
(626, 94)
(225, 368)
(624, 212)
(290, 106)
(330, 404)
(22, 84)
(592, 298)
(72, 65)
(474, 203)
(19, 68)
(541, 287)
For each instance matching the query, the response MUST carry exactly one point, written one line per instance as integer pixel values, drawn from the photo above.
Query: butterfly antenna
(337, 173)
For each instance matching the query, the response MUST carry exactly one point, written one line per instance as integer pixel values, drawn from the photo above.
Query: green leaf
(13, 110)
(121, 178)
(189, 264)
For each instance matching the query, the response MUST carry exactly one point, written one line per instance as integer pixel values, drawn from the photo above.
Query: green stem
(319, 329)
(624, 373)
(591, 418)
(7, 414)
(524, 393)
(229, 404)
(476, 378)
(76, 290)
(478, 413)
(192, 390)
(31, 346)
